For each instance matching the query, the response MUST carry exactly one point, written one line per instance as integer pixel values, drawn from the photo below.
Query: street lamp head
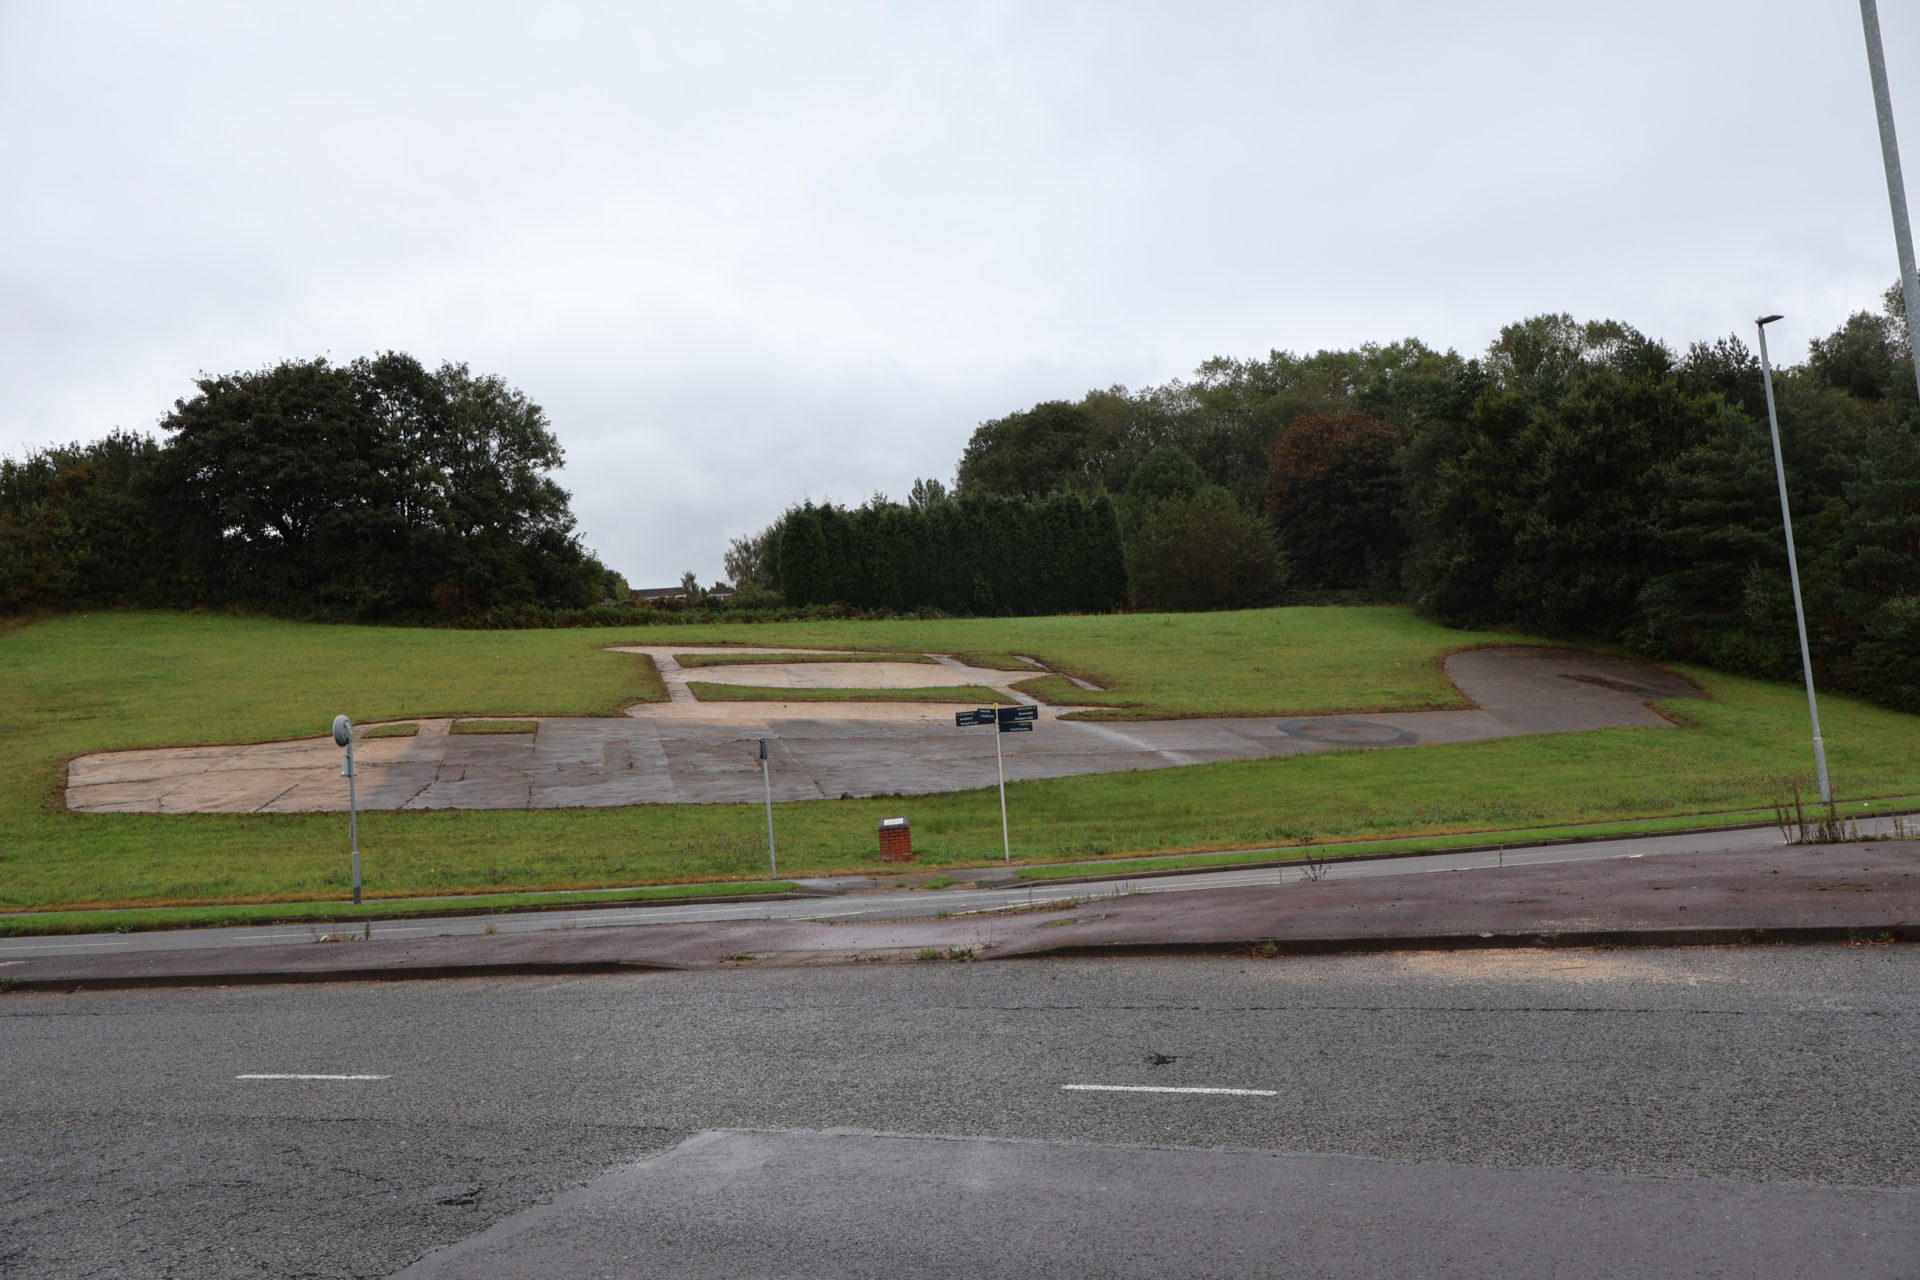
(1763, 321)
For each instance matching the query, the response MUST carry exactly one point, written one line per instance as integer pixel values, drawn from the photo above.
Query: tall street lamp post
(1793, 566)
(1896, 187)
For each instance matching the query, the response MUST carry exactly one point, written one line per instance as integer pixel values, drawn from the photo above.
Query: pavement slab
(1867, 893)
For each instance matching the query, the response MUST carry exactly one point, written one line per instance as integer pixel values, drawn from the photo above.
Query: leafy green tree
(752, 563)
(1878, 579)
(373, 487)
(1728, 369)
(77, 524)
(1536, 504)
(1333, 495)
(1028, 454)
(1167, 473)
(1201, 551)
(927, 493)
(1862, 358)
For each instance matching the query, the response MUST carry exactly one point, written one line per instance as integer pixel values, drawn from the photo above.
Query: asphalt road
(894, 906)
(1562, 1110)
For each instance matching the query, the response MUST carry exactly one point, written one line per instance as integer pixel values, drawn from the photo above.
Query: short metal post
(343, 737)
(999, 764)
(353, 818)
(766, 780)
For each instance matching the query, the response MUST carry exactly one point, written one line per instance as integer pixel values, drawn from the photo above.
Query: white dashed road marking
(1167, 1088)
(275, 1075)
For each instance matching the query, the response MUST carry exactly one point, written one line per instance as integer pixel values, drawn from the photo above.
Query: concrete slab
(500, 791)
(229, 790)
(117, 767)
(688, 752)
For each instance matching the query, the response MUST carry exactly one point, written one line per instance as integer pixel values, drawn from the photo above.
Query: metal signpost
(766, 779)
(343, 736)
(1006, 720)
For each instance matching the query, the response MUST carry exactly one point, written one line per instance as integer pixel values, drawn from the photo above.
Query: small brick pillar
(896, 840)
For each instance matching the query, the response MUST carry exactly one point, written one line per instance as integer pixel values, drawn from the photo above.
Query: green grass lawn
(41, 923)
(973, 694)
(99, 682)
(493, 726)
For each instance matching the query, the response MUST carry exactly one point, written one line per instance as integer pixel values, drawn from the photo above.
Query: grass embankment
(105, 682)
(967, 694)
(764, 659)
(494, 726)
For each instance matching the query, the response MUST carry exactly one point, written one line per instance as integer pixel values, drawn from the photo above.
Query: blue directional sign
(1008, 715)
(964, 718)
(1015, 726)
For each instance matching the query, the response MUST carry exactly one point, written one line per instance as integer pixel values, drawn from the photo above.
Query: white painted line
(273, 1075)
(12, 961)
(1165, 1088)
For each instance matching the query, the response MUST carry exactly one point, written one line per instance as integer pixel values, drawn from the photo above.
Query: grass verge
(494, 726)
(1437, 844)
(212, 917)
(389, 731)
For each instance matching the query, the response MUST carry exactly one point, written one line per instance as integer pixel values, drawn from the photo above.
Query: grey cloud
(747, 253)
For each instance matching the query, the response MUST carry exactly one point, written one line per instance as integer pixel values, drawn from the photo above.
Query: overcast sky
(746, 254)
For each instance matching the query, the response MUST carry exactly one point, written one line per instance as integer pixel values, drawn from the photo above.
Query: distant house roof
(719, 591)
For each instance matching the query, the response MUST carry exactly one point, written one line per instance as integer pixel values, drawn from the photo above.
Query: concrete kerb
(369, 973)
(1259, 948)
(1599, 939)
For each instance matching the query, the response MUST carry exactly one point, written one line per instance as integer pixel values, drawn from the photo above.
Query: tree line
(1577, 479)
(979, 554)
(372, 489)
